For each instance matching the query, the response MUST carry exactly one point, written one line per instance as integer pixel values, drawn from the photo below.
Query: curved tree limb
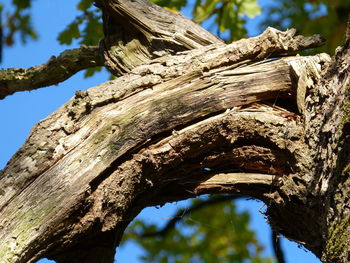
(56, 70)
(231, 64)
(271, 79)
(109, 127)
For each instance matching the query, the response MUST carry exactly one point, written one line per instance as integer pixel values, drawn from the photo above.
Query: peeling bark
(264, 124)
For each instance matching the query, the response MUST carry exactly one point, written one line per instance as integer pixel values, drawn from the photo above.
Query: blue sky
(19, 112)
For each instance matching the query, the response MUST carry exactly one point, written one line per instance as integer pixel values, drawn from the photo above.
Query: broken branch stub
(134, 36)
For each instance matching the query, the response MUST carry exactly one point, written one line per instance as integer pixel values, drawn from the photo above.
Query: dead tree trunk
(270, 126)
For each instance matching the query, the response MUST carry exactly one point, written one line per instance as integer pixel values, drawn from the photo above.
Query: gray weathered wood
(147, 138)
(91, 134)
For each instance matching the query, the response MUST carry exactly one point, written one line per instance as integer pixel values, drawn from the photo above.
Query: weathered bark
(143, 139)
(328, 123)
(56, 70)
(133, 37)
(135, 33)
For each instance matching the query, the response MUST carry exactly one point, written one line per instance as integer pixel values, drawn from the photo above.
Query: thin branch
(181, 213)
(56, 70)
(276, 243)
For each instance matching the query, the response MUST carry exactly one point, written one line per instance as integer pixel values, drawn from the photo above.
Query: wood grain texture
(89, 136)
(138, 31)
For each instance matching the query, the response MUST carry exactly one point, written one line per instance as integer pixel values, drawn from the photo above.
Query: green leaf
(70, 33)
(21, 4)
(92, 30)
(91, 71)
(227, 17)
(26, 29)
(84, 5)
(250, 8)
(177, 4)
(205, 10)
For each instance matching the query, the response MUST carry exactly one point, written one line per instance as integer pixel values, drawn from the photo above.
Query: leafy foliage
(71, 32)
(214, 234)
(86, 29)
(229, 15)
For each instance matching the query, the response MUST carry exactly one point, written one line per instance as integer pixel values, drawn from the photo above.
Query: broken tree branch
(133, 36)
(86, 176)
(56, 70)
(270, 43)
(89, 137)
